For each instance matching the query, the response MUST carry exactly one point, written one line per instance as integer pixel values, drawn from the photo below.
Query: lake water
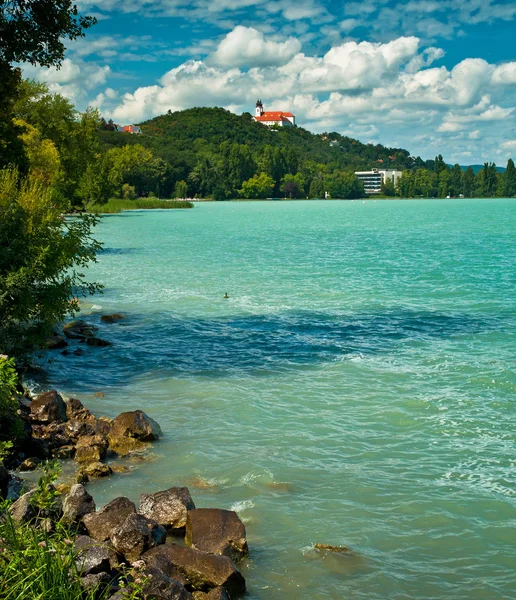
(357, 388)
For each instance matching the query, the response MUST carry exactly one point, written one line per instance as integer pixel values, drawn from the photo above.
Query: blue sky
(427, 75)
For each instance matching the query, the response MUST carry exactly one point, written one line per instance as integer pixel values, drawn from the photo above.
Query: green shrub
(10, 423)
(128, 192)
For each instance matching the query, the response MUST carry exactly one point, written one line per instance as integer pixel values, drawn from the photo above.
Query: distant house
(279, 118)
(374, 179)
(136, 129)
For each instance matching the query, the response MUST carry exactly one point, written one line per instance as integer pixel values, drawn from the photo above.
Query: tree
(293, 185)
(44, 159)
(486, 181)
(30, 31)
(444, 183)
(509, 180)
(387, 187)
(344, 185)
(260, 185)
(40, 264)
(440, 165)
(456, 181)
(34, 30)
(181, 189)
(468, 183)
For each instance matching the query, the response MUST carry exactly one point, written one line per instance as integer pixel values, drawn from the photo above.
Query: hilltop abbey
(281, 119)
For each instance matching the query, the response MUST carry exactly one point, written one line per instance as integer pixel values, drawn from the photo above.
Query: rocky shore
(170, 548)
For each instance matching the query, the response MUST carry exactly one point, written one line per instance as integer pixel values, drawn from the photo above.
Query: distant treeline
(443, 181)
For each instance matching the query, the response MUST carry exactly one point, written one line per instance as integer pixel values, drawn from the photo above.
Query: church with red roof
(270, 118)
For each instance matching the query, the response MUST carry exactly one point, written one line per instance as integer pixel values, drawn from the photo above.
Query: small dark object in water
(329, 548)
(226, 295)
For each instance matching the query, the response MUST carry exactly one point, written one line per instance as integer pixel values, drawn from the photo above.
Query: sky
(431, 76)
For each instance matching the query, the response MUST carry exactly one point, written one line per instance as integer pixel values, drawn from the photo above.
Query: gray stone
(168, 507)
(77, 504)
(136, 535)
(48, 407)
(196, 570)
(92, 556)
(217, 531)
(136, 424)
(162, 587)
(218, 593)
(22, 510)
(101, 524)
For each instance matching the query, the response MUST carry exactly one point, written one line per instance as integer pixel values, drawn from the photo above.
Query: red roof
(274, 116)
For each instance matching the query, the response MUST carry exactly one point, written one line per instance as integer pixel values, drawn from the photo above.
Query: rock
(120, 469)
(168, 508)
(98, 582)
(218, 593)
(136, 424)
(4, 481)
(48, 408)
(78, 352)
(64, 452)
(63, 488)
(161, 587)
(55, 342)
(100, 524)
(37, 448)
(329, 548)
(99, 394)
(96, 470)
(111, 318)
(77, 504)
(196, 570)
(65, 352)
(14, 488)
(76, 410)
(79, 330)
(125, 445)
(81, 476)
(92, 557)
(22, 510)
(97, 342)
(29, 464)
(88, 454)
(136, 535)
(54, 433)
(216, 531)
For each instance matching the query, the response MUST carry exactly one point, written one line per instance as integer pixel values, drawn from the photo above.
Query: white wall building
(279, 118)
(373, 179)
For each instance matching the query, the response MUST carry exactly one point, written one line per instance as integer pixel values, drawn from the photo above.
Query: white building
(374, 179)
(279, 118)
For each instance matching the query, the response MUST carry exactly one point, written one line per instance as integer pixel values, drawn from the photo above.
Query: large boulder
(76, 410)
(168, 507)
(216, 531)
(79, 330)
(161, 587)
(92, 556)
(48, 407)
(91, 448)
(101, 524)
(218, 593)
(136, 535)
(97, 342)
(77, 504)
(96, 470)
(196, 570)
(55, 342)
(112, 318)
(123, 445)
(22, 510)
(136, 424)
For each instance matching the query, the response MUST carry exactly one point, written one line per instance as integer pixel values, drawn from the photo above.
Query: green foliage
(45, 495)
(40, 565)
(5, 450)
(259, 186)
(387, 187)
(128, 192)
(116, 205)
(344, 185)
(40, 264)
(293, 185)
(10, 423)
(181, 189)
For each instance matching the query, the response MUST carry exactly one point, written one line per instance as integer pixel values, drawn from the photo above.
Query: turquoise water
(358, 388)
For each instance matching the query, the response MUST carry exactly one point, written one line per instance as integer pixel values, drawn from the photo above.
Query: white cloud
(246, 46)
(509, 145)
(505, 73)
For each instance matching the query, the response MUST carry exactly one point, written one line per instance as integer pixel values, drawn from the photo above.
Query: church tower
(259, 109)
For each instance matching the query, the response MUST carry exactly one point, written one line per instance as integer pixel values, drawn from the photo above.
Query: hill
(184, 139)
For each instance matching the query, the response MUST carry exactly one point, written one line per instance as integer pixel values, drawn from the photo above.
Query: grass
(116, 205)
